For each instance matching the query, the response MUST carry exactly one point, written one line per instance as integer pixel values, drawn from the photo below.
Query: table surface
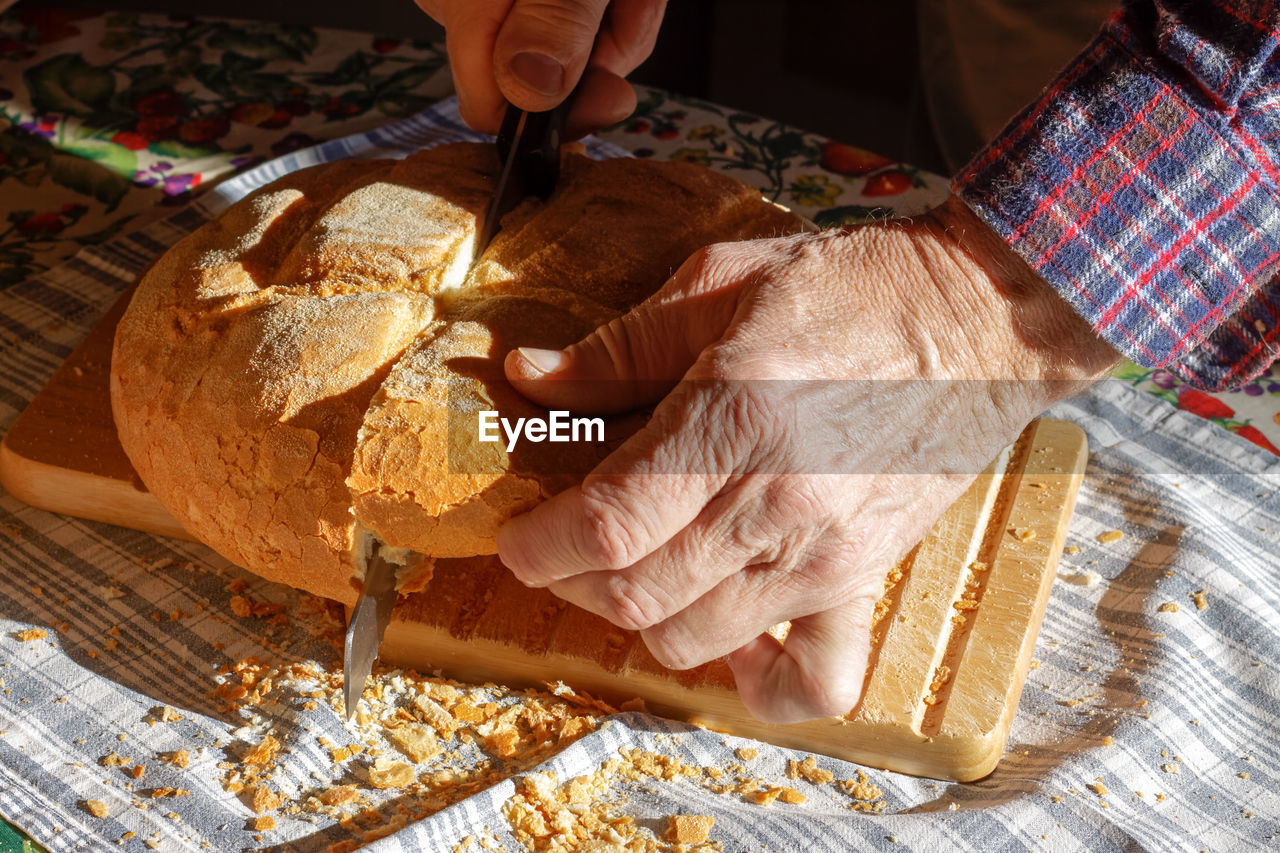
(109, 122)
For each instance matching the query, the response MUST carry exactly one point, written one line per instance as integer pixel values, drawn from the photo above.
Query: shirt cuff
(1148, 211)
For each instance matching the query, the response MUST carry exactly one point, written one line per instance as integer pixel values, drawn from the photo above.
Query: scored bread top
(304, 372)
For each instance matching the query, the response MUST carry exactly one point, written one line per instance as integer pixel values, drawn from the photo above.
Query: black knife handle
(538, 148)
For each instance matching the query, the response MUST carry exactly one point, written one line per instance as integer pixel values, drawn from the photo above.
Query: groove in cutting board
(944, 681)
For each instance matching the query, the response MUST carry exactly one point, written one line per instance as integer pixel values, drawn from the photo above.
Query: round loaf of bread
(301, 377)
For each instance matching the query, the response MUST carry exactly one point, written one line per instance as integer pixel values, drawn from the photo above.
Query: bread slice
(301, 376)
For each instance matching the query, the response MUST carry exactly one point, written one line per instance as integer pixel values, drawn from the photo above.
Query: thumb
(542, 49)
(633, 360)
(819, 671)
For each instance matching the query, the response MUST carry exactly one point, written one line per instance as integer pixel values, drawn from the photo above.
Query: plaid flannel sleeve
(1144, 185)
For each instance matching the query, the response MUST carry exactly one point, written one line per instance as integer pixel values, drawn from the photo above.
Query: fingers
(634, 360)
(533, 53)
(471, 30)
(635, 501)
(542, 49)
(629, 33)
(819, 671)
(603, 98)
(662, 584)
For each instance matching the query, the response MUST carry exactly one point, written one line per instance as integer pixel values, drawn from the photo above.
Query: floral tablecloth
(112, 121)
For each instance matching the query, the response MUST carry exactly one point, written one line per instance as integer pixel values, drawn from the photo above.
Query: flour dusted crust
(303, 373)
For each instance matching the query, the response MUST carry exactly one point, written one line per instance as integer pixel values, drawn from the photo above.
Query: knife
(529, 150)
(366, 627)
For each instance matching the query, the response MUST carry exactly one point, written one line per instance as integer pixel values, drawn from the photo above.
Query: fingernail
(543, 360)
(539, 72)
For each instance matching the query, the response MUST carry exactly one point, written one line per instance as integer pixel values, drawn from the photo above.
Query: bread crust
(305, 370)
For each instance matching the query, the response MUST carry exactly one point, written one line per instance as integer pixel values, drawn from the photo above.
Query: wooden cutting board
(952, 646)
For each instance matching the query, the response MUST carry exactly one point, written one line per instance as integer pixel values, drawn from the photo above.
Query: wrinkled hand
(717, 521)
(533, 53)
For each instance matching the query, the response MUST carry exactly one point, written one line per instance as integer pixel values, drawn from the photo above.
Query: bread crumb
(264, 799)
(339, 795)
(178, 758)
(391, 774)
(32, 634)
(339, 754)
(262, 752)
(1168, 607)
(688, 829)
(1170, 768)
(765, 797)
(503, 742)
(97, 808)
(1108, 741)
(416, 741)
(1024, 534)
(809, 771)
(1098, 788)
(1110, 536)
(263, 823)
(746, 753)
(1201, 599)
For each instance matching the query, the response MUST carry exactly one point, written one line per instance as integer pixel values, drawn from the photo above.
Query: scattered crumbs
(1098, 788)
(32, 634)
(1108, 536)
(1170, 768)
(809, 771)
(746, 753)
(1201, 599)
(178, 758)
(97, 808)
(866, 795)
(688, 829)
(1168, 607)
(1160, 798)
